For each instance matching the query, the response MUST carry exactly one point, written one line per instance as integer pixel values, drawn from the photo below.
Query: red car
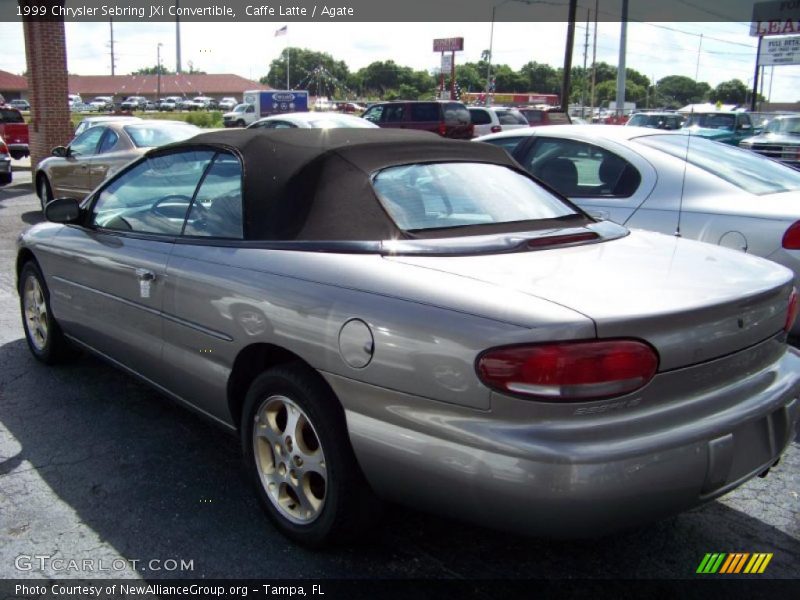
(14, 130)
(448, 119)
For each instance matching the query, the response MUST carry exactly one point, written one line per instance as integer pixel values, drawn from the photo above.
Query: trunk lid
(692, 301)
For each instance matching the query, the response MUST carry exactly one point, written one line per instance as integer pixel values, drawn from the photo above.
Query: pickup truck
(728, 127)
(14, 130)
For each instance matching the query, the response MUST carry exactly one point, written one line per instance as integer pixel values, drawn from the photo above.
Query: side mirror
(63, 210)
(60, 151)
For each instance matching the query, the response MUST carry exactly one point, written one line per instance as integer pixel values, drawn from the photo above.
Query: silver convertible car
(669, 182)
(388, 314)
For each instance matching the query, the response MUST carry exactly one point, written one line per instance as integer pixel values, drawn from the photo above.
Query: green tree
(679, 90)
(317, 72)
(730, 92)
(153, 71)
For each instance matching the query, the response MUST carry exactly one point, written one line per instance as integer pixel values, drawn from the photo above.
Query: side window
(108, 142)
(153, 196)
(577, 169)
(427, 112)
(280, 125)
(745, 122)
(217, 208)
(374, 114)
(393, 113)
(480, 116)
(86, 143)
(250, 108)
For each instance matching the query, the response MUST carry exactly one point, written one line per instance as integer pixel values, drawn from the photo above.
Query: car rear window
(557, 118)
(456, 114)
(744, 169)
(480, 116)
(511, 117)
(425, 111)
(8, 115)
(422, 197)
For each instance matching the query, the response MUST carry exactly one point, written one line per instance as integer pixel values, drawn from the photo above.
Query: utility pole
(594, 58)
(623, 42)
(565, 83)
(697, 68)
(584, 79)
(754, 97)
(177, 40)
(111, 28)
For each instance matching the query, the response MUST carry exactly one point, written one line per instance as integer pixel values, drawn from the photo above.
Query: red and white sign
(778, 17)
(448, 44)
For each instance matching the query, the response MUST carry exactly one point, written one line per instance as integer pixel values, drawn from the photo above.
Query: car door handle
(145, 275)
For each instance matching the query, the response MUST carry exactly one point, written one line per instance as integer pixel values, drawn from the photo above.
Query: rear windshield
(511, 117)
(456, 114)
(148, 136)
(744, 169)
(10, 116)
(422, 197)
(711, 121)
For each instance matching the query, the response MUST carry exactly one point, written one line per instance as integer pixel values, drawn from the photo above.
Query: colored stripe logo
(734, 563)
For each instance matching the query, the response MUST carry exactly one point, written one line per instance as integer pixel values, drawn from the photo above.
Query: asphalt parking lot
(95, 466)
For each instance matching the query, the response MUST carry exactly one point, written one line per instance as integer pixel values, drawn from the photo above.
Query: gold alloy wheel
(35, 313)
(290, 460)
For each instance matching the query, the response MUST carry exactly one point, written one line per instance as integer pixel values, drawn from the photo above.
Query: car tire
(5, 178)
(240, 123)
(306, 475)
(42, 333)
(44, 191)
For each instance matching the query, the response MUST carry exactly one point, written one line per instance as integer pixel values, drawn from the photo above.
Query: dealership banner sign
(780, 51)
(777, 17)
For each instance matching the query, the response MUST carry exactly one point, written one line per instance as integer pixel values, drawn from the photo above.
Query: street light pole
(487, 101)
(158, 70)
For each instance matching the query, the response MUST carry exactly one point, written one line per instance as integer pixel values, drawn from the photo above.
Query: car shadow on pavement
(12, 191)
(153, 480)
(32, 217)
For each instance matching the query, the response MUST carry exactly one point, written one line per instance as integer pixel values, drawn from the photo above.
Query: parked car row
(384, 314)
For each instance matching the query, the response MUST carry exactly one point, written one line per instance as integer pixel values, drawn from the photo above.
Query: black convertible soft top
(315, 184)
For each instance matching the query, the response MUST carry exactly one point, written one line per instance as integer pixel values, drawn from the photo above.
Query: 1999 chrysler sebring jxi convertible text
(390, 314)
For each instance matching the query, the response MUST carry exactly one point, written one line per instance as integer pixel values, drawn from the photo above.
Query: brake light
(791, 239)
(569, 371)
(442, 129)
(791, 316)
(496, 129)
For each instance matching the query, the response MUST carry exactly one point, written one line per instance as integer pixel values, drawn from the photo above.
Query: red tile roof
(171, 85)
(13, 83)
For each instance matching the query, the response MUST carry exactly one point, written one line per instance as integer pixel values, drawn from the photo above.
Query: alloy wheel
(35, 313)
(290, 460)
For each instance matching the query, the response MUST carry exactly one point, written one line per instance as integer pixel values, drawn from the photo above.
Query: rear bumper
(5, 165)
(582, 476)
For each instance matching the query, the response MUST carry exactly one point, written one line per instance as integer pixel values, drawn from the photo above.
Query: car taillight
(3, 148)
(442, 129)
(791, 239)
(496, 128)
(793, 310)
(569, 371)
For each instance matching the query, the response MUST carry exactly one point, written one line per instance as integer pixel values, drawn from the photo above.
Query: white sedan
(668, 182)
(311, 120)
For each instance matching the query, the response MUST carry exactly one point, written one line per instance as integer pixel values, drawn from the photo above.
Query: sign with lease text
(778, 17)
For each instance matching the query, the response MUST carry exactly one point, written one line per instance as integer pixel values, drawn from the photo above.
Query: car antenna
(683, 179)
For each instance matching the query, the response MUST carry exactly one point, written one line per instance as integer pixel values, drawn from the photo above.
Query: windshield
(744, 169)
(422, 197)
(711, 121)
(240, 108)
(147, 135)
(790, 125)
